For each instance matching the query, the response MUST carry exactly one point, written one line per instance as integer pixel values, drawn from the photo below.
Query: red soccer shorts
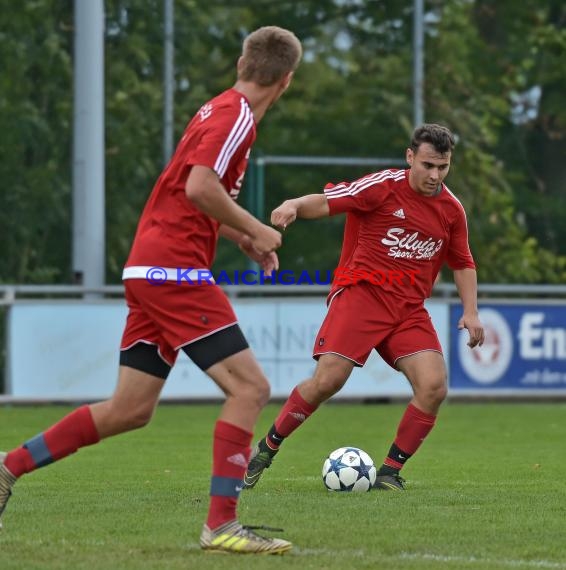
(361, 318)
(171, 316)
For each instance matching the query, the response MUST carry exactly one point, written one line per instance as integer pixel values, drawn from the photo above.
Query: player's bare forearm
(467, 285)
(311, 206)
(268, 261)
(204, 190)
(232, 234)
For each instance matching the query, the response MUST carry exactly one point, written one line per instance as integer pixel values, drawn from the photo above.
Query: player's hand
(475, 328)
(285, 214)
(265, 239)
(269, 262)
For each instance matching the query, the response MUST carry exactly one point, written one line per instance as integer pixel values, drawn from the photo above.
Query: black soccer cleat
(389, 483)
(259, 461)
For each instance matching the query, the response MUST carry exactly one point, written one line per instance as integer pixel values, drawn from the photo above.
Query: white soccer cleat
(7, 481)
(238, 539)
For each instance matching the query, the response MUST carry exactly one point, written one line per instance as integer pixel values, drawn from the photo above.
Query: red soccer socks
(75, 430)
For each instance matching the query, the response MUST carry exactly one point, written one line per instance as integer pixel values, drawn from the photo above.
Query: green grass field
(486, 490)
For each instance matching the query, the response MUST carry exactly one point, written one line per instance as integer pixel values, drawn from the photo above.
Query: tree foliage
(352, 96)
(35, 122)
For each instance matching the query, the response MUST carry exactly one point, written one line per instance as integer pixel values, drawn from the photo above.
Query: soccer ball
(348, 469)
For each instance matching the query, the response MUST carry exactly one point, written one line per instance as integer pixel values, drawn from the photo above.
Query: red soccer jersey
(401, 236)
(172, 232)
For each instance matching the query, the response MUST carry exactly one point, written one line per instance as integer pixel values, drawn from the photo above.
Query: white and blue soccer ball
(348, 469)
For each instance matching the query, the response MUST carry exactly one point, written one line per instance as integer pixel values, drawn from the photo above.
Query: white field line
(471, 560)
(441, 559)
(503, 562)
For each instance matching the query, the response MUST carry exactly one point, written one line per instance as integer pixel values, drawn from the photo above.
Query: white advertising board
(68, 350)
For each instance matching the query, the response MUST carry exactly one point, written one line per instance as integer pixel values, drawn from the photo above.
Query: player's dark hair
(438, 136)
(269, 54)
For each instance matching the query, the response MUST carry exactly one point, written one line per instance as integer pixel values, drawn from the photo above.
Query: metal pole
(418, 62)
(88, 145)
(251, 189)
(260, 196)
(250, 186)
(168, 79)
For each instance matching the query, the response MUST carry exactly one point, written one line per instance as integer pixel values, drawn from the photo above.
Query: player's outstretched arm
(311, 207)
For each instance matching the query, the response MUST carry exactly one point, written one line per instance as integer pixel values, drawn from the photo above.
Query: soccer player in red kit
(401, 227)
(192, 203)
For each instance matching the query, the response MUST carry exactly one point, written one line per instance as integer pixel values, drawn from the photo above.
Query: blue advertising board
(524, 350)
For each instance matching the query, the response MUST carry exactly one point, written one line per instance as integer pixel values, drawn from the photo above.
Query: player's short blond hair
(268, 55)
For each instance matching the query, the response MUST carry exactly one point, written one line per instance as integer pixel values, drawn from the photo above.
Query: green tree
(526, 54)
(134, 113)
(467, 90)
(351, 97)
(35, 122)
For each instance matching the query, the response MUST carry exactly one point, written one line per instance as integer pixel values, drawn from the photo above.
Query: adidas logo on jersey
(399, 213)
(205, 111)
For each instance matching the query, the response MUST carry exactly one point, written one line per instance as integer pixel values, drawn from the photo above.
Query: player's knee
(136, 417)
(326, 388)
(436, 390)
(141, 419)
(263, 392)
(329, 380)
(257, 392)
(440, 393)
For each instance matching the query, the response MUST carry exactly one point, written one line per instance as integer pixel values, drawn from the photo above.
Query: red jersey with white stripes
(172, 232)
(401, 236)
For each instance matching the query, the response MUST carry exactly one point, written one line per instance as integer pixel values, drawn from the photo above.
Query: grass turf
(485, 491)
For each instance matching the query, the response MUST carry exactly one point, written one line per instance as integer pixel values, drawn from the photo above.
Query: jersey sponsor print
(391, 227)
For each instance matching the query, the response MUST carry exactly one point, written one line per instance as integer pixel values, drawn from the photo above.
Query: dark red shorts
(171, 316)
(360, 319)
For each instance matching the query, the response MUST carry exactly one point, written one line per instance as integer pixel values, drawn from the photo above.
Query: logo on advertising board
(524, 349)
(486, 364)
